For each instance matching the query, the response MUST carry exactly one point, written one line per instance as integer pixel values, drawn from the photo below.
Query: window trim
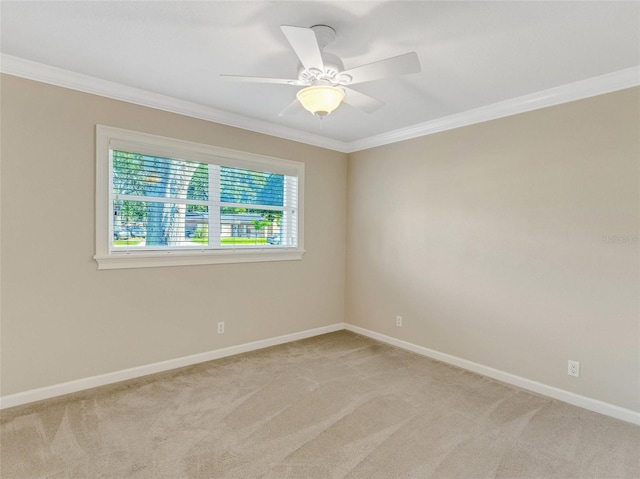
(154, 145)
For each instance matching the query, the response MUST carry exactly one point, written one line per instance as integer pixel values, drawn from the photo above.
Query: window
(166, 202)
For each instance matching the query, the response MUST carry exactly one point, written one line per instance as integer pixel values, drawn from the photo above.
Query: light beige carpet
(334, 406)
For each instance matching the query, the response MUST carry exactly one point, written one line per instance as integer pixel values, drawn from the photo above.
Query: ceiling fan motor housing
(332, 67)
(332, 64)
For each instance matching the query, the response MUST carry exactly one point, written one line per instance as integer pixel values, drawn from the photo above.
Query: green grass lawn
(233, 240)
(131, 242)
(227, 241)
(243, 241)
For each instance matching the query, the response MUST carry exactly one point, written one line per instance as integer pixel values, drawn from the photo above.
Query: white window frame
(110, 138)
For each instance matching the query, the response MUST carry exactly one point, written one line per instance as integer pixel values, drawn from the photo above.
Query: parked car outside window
(121, 235)
(275, 239)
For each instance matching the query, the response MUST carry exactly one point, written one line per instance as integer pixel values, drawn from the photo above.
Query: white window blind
(199, 203)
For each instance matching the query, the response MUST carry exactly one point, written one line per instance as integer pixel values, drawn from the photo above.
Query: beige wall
(489, 240)
(64, 320)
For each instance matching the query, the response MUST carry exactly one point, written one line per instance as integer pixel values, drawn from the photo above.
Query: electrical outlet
(221, 327)
(574, 368)
(399, 321)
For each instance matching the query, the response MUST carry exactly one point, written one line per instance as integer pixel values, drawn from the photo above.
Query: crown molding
(619, 80)
(30, 70)
(599, 85)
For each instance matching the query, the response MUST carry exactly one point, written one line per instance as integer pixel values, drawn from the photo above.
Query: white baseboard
(595, 405)
(104, 379)
(48, 392)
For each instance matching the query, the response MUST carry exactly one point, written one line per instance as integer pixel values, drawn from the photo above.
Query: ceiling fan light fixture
(320, 100)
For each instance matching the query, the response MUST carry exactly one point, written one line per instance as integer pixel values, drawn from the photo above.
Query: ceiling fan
(323, 75)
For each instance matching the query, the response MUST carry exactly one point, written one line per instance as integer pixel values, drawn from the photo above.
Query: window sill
(152, 259)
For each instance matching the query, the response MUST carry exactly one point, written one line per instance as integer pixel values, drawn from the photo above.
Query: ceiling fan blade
(249, 79)
(394, 66)
(305, 44)
(361, 101)
(292, 108)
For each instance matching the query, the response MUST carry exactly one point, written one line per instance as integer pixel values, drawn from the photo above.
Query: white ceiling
(473, 54)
